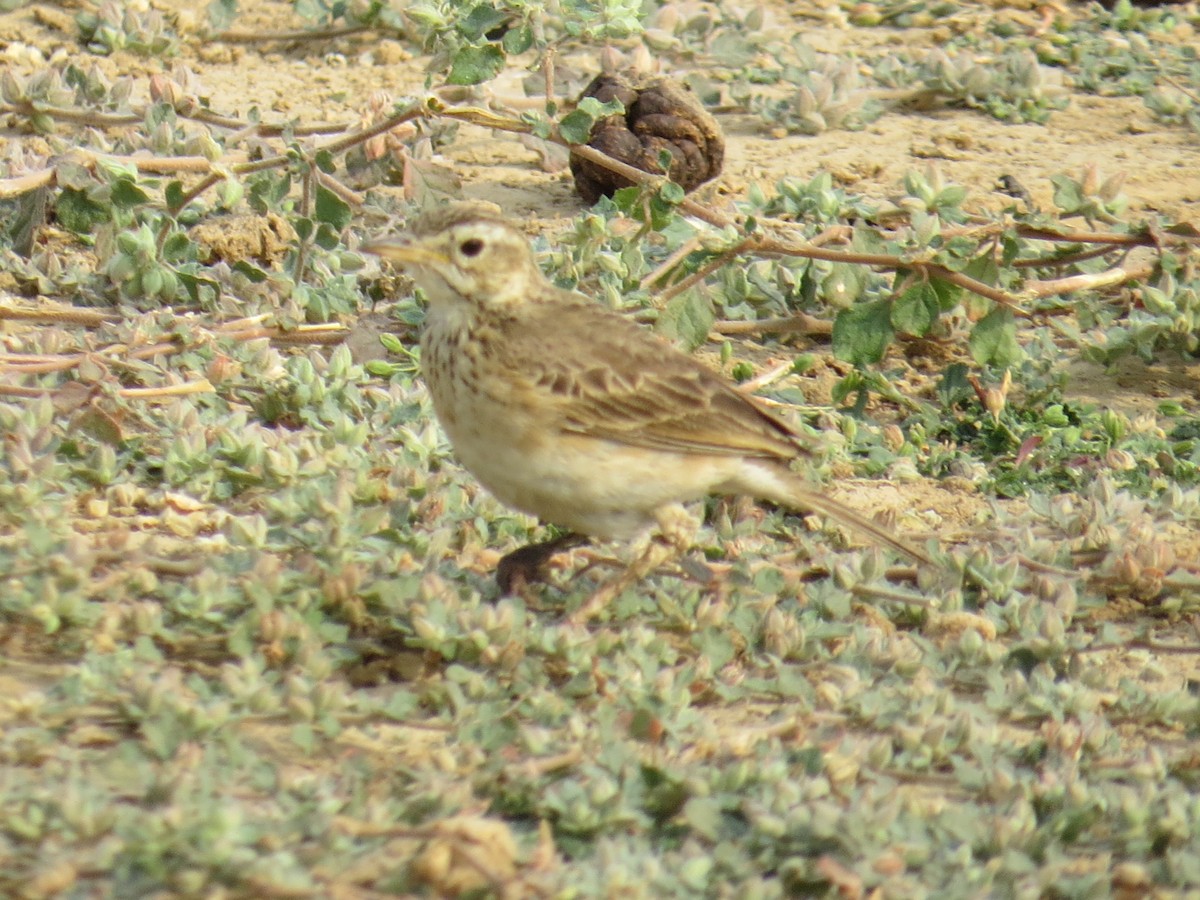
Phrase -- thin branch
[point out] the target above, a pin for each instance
(87, 117)
(1143, 644)
(53, 315)
(152, 165)
(1097, 237)
(975, 286)
(215, 172)
(1085, 282)
(1034, 565)
(352, 197)
(341, 144)
(700, 274)
(882, 260)
(877, 593)
(260, 129)
(199, 386)
(800, 323)
(203, 185)
(1068, 259)
(184, 109)
(1182, 88)
(25, 184)
(239, 330)
(665, 267)
(16, 390)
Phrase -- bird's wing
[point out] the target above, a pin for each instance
(609, 378)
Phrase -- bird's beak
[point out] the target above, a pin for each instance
(406, 251)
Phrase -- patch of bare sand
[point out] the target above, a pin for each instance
(1134, 387)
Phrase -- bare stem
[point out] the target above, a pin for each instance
(800, 323)
(1087, 282)
(701, 273)
(137, 115)
(346, 141)
(66, 316)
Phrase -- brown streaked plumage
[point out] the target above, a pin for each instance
(570, 412)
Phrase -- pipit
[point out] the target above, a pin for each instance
(572, 413)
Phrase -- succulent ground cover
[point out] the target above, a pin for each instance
(249, 641)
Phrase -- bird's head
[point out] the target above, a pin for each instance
(465, 253)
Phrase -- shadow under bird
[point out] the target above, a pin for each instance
(570, 412)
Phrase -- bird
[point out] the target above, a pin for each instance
(571, 412)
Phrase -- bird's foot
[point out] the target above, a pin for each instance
(527, 564)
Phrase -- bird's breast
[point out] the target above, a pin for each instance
(477, 397)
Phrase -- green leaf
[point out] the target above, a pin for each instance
(954, 388)
(29, 214)
(861, 334)
(482, 20)
(70, 174)
(960, 247)
(229, 193)
(672, 192)
(628, 200)
(598, 110)
(843, 285)
(325, 162)
(99, 424)
(177, 247)
(1068, 194)
(266, 193)
(174, 194)
(993, 340)
(517, 40)
(250, 271)
(950, 196)
(381, 369)
(332, 209)
(126, 193)
(947, 294)
(915, 311)
(78, 212)
(304, 738)
(662, 210)
(192, 285)
(703, 816)
(326, 237)
(866, 239)
(687, 318)
(221, 13)
(576, 126)
(539, 125)
(473, 65)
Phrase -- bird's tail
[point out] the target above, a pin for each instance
(785, 488)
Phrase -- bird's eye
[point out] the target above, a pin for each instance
(471, 247)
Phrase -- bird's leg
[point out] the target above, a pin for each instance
(526, 564)
(674, 535)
